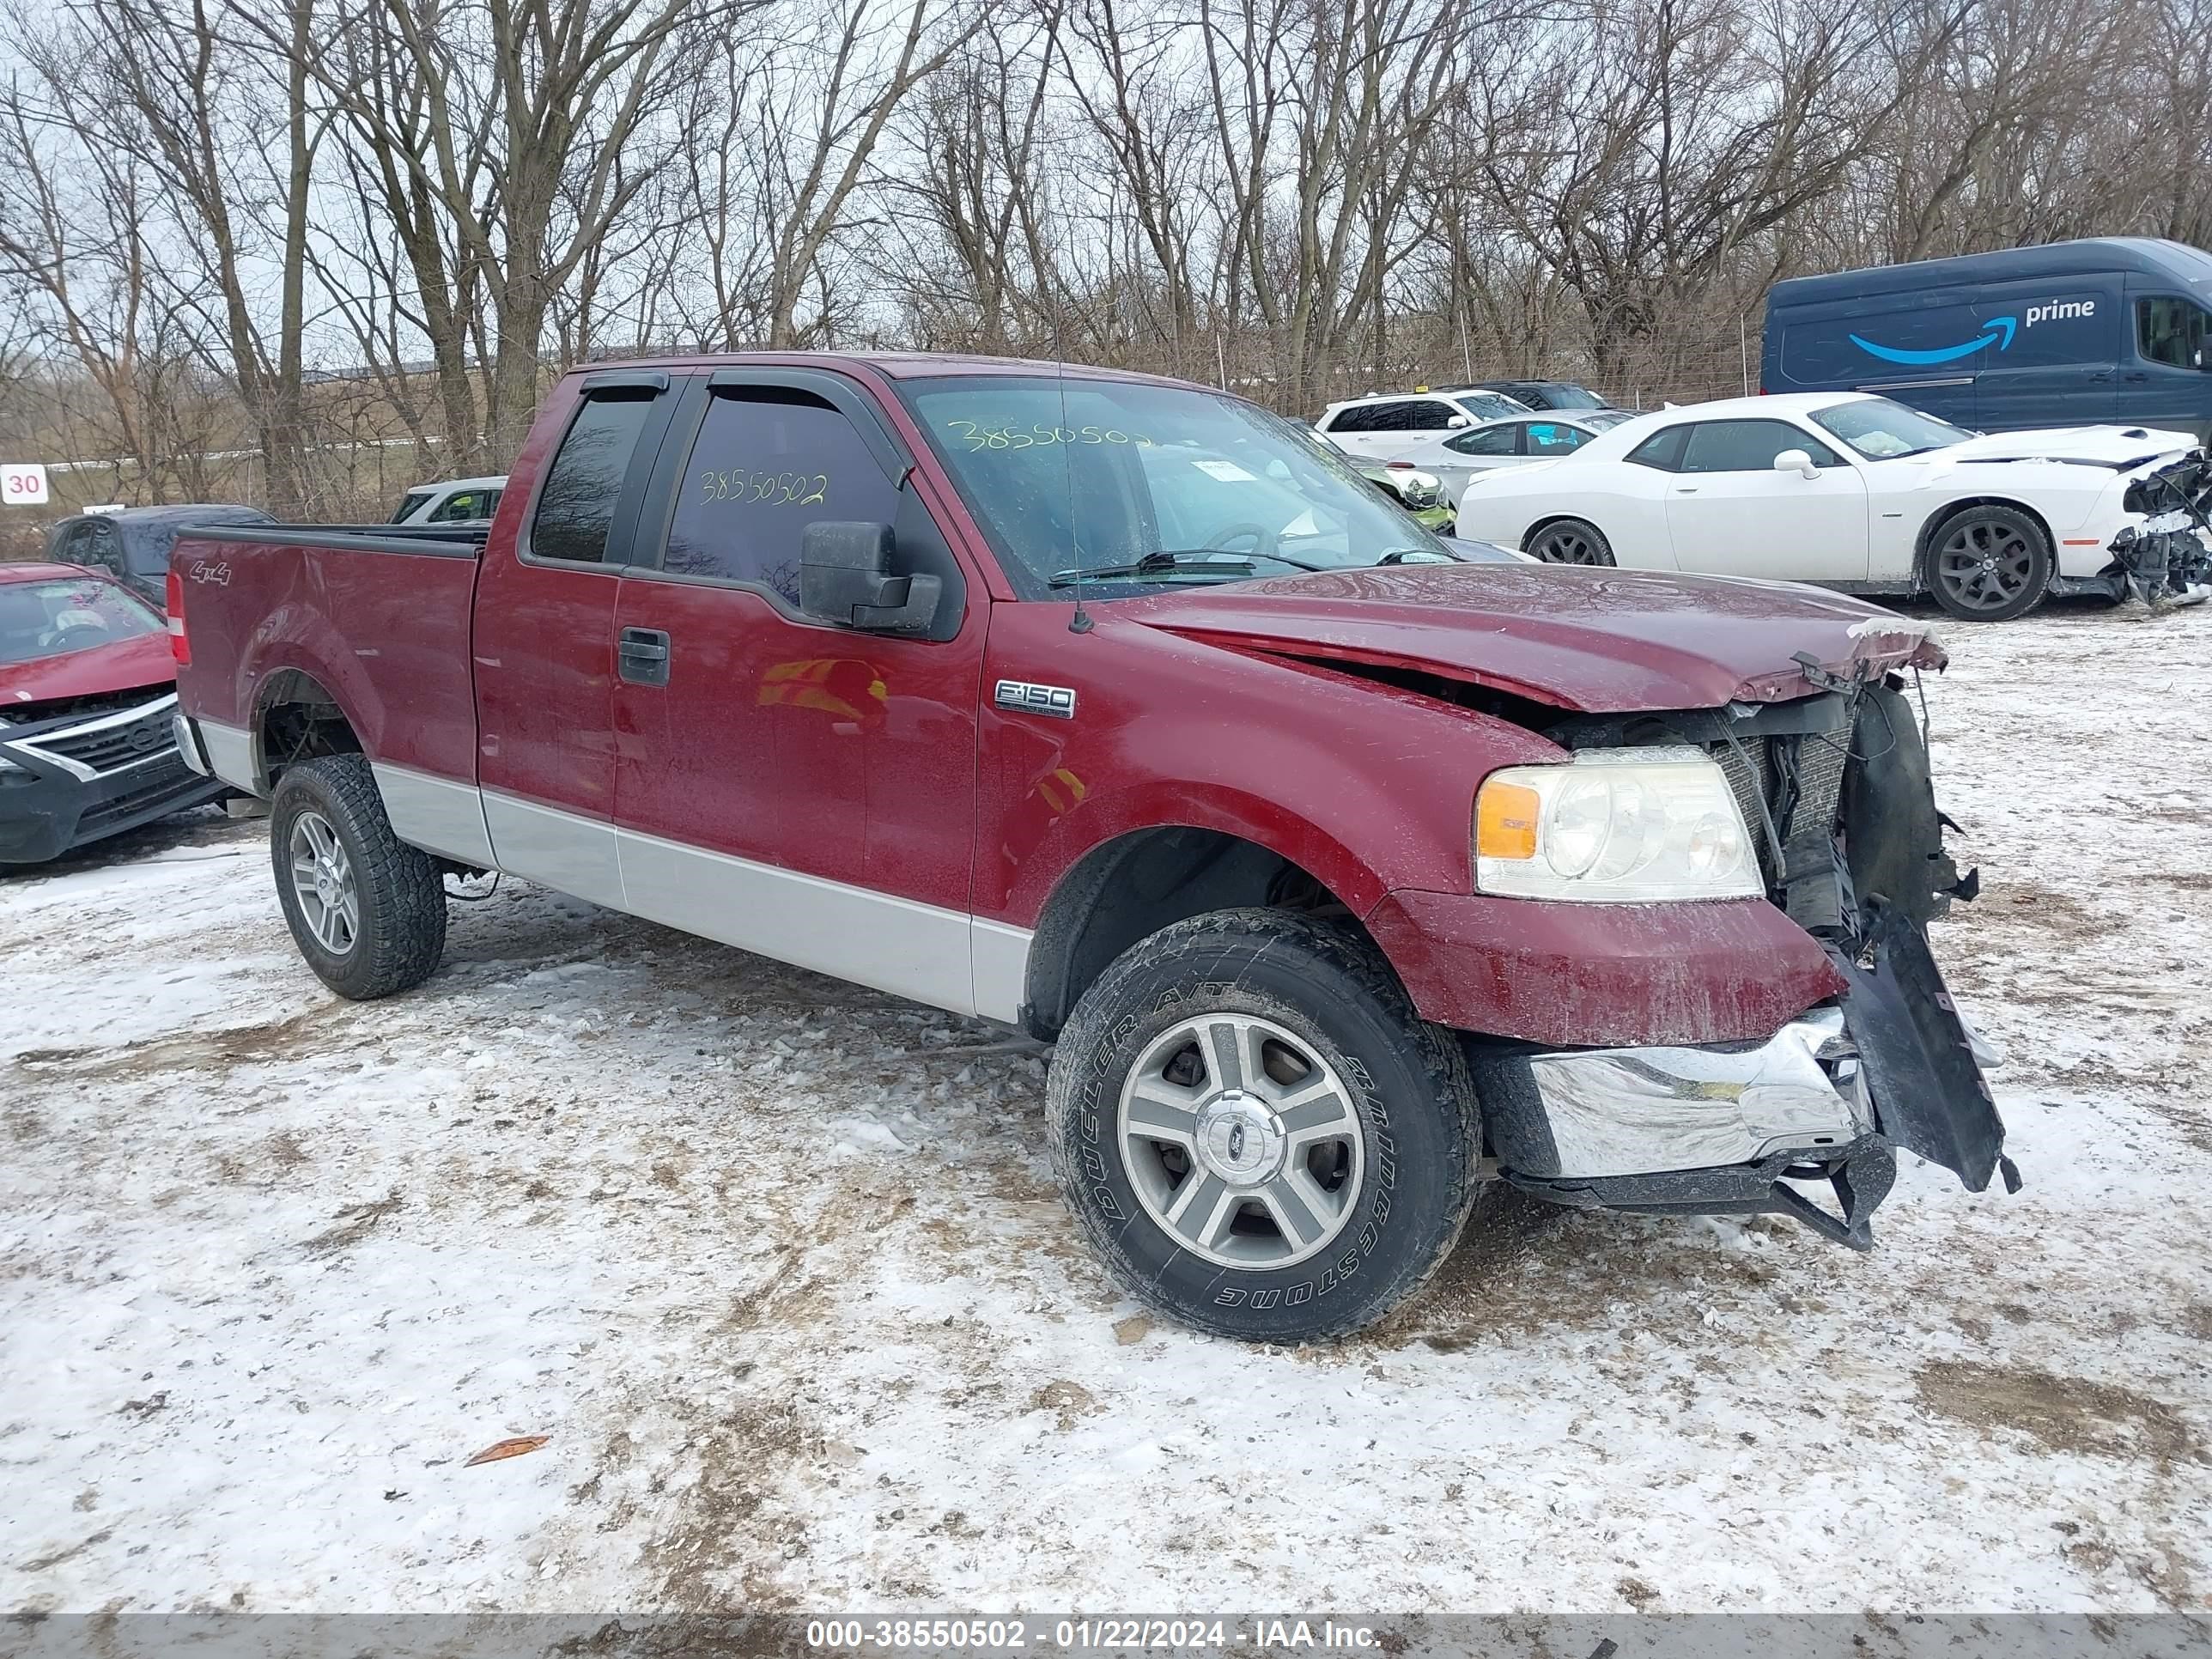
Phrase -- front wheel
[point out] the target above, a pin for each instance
(367, 910)
(1260, 1135)
(1989, 563)
(1569, 541)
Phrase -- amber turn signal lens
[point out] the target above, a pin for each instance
(1505, 821)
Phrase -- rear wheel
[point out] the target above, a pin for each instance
(1260, 1135)
(1569, 541)
(1989, 563)
(367, 910)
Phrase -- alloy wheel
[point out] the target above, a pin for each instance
(1242, 1142)
(1985, 564)
(323, 883)
(1570, 547)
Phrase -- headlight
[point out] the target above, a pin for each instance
(1619, 826)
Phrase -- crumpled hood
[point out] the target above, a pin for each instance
(122, 665)
(1599, 641)
(2099, 445)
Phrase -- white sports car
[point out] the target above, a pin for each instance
(1509, 440)
(1840, 488)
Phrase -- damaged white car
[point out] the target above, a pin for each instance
(1862, 494)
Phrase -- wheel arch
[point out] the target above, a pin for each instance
(1550, 519)
(296, 718)
(1131, 884)
(1582, 517)
(1924, 546)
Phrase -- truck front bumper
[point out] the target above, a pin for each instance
(1729, 1128)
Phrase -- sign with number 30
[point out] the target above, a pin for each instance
(22, 483)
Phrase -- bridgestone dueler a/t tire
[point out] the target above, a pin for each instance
(1409, 1084)
(402, 897)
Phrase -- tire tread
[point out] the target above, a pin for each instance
(403, 929)
(1439, 1056)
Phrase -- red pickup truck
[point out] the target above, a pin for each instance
(1345, 873)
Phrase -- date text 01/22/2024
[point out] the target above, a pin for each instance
(1015, 1634)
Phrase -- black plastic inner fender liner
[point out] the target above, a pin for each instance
(1892, 832)
(1860, 1173)
(1928, 1094)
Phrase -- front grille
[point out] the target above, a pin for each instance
(170, 783)
(115, 741)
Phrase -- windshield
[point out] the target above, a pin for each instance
(1881, 430)
(1097, 476)
(1489, 405)
(1562, 395)
(49, 619)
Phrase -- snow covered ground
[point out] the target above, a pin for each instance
(775, 1266)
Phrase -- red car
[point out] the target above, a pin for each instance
(88, 698)
(1112, 708)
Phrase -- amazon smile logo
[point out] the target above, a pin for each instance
(1997, 332)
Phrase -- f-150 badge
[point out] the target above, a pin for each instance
(1024, 697)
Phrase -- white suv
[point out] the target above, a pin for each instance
(1384, 424)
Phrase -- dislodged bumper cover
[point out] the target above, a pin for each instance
(1719, 970)
(1929, 1093)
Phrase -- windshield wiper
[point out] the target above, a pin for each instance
(1155, 565)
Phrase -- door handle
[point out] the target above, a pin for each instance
(641, 657)
(1685, 489)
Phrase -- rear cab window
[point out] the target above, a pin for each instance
(578, 504)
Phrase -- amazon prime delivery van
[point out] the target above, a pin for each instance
(2115, 329)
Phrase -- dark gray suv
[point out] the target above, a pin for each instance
(132, 545)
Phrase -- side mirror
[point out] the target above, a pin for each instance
(1797, 461)
(1457, 422)
(845, 577)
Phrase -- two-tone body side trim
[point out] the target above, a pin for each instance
(438, 815)
(945, 959)
(567, 851)
(890, 944)
(230, 754)
(1002, 967)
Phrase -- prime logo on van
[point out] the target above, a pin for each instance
(1997, 332)
(2060, 311)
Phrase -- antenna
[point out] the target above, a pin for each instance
(1080, 621)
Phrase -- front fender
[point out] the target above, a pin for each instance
(1365, 786)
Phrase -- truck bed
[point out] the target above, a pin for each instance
(287, 600)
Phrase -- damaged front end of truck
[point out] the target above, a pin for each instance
(1835, 789)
